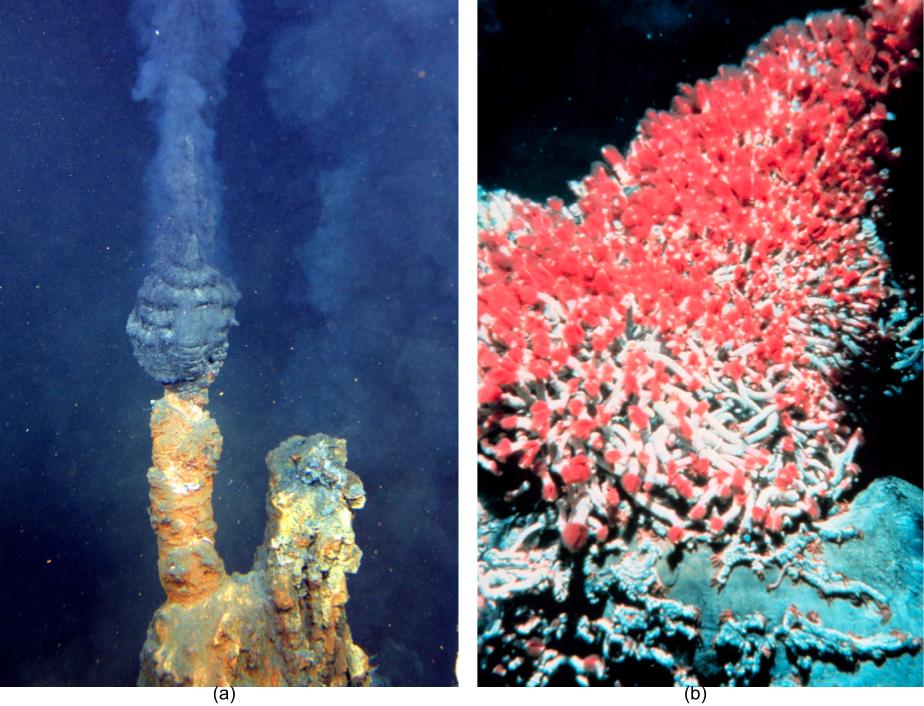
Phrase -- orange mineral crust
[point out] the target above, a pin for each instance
(186, 447)
(283, 623)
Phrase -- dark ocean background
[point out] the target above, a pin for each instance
(337, 144)
(557, 81)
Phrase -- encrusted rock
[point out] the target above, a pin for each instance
(283, 623)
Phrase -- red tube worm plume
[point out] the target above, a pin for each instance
(577, 470)
(593, 664)
(669, 343)
(534, 647)
(574, 536)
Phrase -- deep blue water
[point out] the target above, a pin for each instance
(337, 145)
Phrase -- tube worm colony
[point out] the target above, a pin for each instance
(658, 366)
(284, 622)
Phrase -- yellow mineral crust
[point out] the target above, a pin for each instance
(284, 622)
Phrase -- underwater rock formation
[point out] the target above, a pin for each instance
(283, 623)
(659, 367)
(184, 310)
(885, 557)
